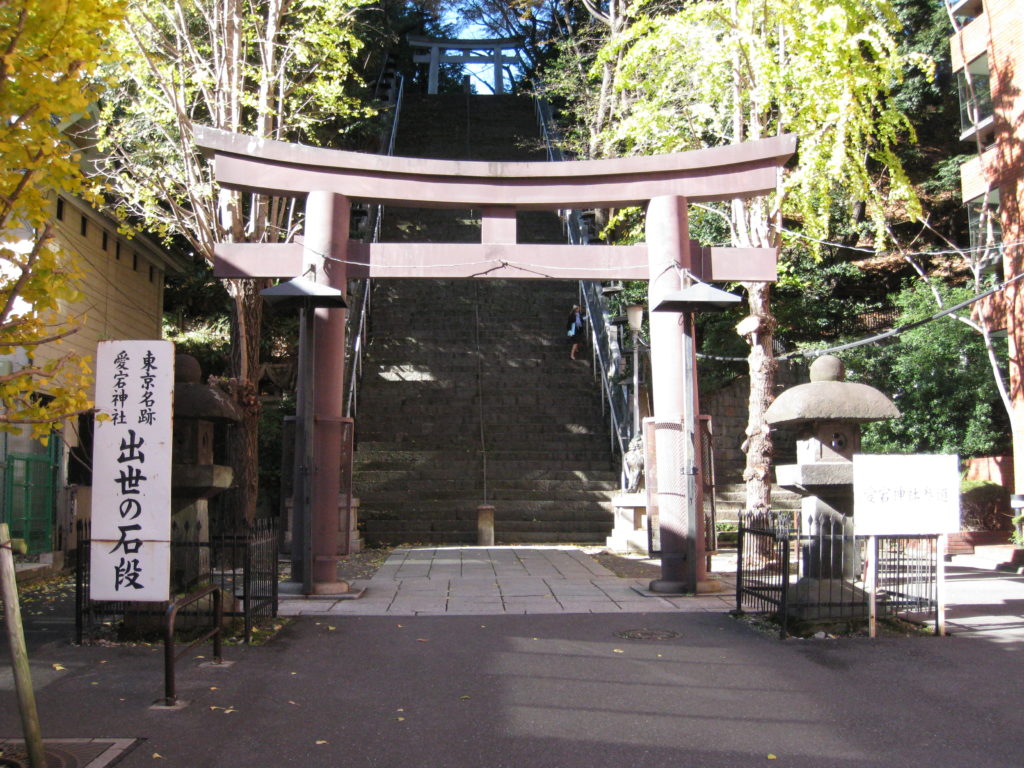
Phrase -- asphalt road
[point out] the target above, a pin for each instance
(534, 691)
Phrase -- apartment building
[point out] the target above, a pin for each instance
(988, 58)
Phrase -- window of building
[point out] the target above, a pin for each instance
(83, 226)
(986, 232)
(105, 238)
(975, 99)
(135, 262)
(117, 250)
(152, 273)
(60, 209)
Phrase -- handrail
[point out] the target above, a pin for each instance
(607, 353)
(170, 694)
(359, 340)
(618, 411)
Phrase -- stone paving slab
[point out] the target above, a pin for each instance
(497, 580)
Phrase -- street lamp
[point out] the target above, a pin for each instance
(307, 296)
(635, 316)
(696, 297)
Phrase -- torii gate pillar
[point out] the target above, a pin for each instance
(326, 235)
(675, 401)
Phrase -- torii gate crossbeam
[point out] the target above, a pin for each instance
(666, 184)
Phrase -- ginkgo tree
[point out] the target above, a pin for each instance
(720, 72)
(49, 52)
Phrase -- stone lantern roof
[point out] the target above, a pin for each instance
(194, 400)
(828, 397)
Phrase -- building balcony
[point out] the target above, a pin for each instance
(965, 10)
(981, 131)
(980, 174)
(970, 43)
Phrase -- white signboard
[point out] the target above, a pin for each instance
(131, 471)
(897, 495)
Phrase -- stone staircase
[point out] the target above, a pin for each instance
(730, 500)
(468, 396)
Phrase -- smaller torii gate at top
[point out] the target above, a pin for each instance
(665, 184)
(455, 51)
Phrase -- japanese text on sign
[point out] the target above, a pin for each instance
(905, 495)
(131, 523)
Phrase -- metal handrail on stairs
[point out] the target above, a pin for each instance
(607, 355)
(361, 337)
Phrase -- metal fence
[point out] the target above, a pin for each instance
(239, 559)
(818, 575)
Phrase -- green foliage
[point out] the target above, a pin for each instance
(823, 70)
(939, 377)
(276, 69)
(984, 506)
(49, 50)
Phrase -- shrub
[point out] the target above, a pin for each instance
(984, 506)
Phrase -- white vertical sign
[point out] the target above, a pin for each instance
(131, 471)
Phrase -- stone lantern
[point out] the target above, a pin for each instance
(827, 412)
(195, 477)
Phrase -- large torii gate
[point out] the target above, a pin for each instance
(329, 179)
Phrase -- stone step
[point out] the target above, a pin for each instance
(495, 469)
(370, 450)
(498, 473)
(512, 509)
(491, 384)
(383, 497)
(467, 535)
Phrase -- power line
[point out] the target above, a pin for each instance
(880, 336)
(874, 252)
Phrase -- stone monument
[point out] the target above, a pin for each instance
(827, 412)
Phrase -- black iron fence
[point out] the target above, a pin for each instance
(239, 559)
(819, 575)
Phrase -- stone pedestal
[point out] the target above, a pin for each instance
(629, 533)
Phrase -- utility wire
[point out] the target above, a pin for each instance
(874, 252)
(880, 336)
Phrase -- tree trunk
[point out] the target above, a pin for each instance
(758, 329)
(243, 444)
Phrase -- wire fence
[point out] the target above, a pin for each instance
(239, 559)
(819, 575)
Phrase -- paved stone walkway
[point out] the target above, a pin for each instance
(498, 580)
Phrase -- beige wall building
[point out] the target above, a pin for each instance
(122, 288)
